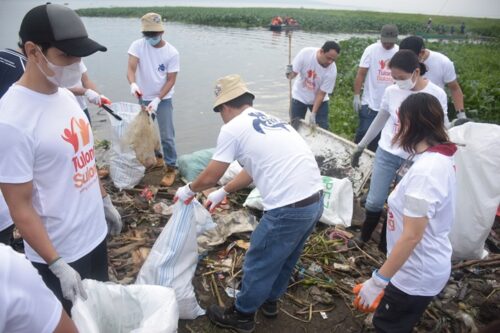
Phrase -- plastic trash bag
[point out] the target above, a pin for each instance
(337, 201)
(174, 256)
(191, 165)
(114, 308)
(125, 169)
(143, 136)
(478, 187)
(232, 171)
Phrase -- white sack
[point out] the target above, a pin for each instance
(337, 201)
(174, 256)
(478, 187)
(113, 308)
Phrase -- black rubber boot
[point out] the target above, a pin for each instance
(270, 309)
(371, 221)
(232, 318)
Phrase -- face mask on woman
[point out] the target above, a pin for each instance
(407, 84)
(64, 76)
(153, 41)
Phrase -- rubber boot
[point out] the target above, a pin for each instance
(371, 221)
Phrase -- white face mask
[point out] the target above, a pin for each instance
(64, 76)
(407, 84)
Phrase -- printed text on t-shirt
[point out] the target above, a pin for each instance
(83, 160)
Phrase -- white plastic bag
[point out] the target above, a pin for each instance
(232, 171)
(337, 201)
(113, 308)
(174, 256)
(125, 170)
(478, 187)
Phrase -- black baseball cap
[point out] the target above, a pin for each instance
(59, 26)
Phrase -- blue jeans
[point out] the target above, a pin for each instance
(275, 247)
(165, 118)
(384, 172)
(366, 116)
(299, 110)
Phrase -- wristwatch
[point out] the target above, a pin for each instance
(460, 110)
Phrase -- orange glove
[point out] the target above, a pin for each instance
(369, 293)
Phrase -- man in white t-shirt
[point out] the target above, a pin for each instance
(281, 165)
(47, 171)
(374, 75)
(440, 71)
(153, 65)
(317, 72)
(27, 305)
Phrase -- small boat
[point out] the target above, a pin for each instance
(279, 24)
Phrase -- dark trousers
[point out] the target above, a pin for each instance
(94, 266)
(399, 312)
(6, 235)
(299, 110)
(366, 116)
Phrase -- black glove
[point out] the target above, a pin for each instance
(355, 156)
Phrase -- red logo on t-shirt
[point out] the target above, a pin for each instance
(391, 226)
(83, 160)
(384, 72)
(309, 81)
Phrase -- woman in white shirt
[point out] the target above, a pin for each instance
(407, 73)
(420, 216)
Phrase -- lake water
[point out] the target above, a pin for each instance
(206, 53)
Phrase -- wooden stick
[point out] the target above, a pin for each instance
(367, 255)
(292, 316)
(216, 290)
(475, 262)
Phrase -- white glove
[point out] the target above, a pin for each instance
(215, 198)
(289, 71)
(93, 96)
(71, 282)
(461, 115)
(153, 105)
(370, 292)
(134, 90)
(356, 103)
(312, 119)
(113, 218)
(185, 194)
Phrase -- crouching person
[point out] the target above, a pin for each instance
(420, 216)
(281, 165)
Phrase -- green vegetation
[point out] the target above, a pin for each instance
(309, 19)
(477, 67)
